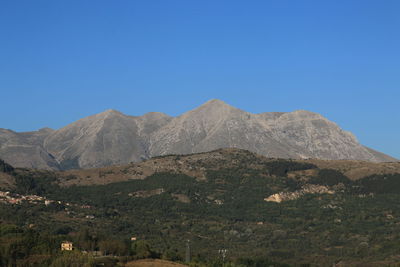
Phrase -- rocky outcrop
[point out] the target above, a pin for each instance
(306, 189)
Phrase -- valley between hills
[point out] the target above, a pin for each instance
(264, 211)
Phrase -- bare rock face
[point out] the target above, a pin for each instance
(104, 139)
(114, 138)
(298, 134)
(310, 135)
(216, 125)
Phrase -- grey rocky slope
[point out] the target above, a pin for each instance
(114, 138)
(26, 149)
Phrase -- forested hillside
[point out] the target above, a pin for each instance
(260, 210)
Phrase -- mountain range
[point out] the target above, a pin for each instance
(111, 137)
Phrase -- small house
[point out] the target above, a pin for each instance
(66, 245)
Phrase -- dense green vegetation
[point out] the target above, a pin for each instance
(360, 222)
(28, 247)
(4, 167)
(329, 177)
(281, 167)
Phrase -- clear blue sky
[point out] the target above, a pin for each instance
(64, 60)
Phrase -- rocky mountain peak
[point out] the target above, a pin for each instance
(214, 105)
(211, 112)
(109, 113)
(215, 102)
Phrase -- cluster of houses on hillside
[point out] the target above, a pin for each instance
(17, 199)
(10, 198)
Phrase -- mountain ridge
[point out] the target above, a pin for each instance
(111, 137)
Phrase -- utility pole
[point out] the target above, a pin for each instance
(188, 257)
(222, 252)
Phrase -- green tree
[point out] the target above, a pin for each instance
(72, 259)
(141, 249)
